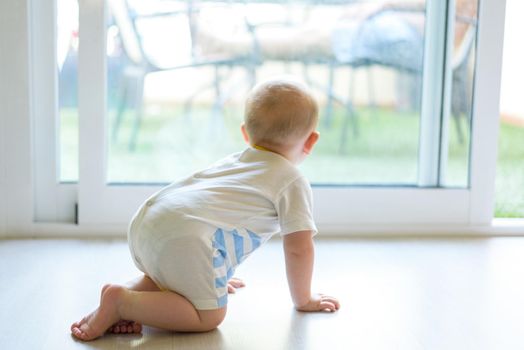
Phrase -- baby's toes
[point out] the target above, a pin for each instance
(113, 329)
(134, 327)
(78, 333)
(137, 328)
(121, 326)
(124, 327)
(79, 323)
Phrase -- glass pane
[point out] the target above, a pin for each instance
(178, 72)
(463, 67)
(509, 195)
(67, 64)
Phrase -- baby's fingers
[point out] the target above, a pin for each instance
(330, 303)
(334, 301)
(327, 306)
(236, 282)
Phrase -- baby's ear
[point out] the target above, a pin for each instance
(311, 141)
(244, 132)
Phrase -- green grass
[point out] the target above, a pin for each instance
(171, 145)
(384, 150)
(509, 185)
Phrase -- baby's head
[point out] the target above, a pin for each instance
(281, 115)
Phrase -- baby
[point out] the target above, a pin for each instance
(189, 237)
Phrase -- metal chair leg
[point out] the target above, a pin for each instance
(120, 110)
(328, 118)
(139, 95)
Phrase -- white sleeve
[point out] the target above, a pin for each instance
(295, 208)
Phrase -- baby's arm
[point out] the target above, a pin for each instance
(299, 251)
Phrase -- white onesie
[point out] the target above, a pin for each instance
(190, 236)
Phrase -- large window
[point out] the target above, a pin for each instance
(177, 73)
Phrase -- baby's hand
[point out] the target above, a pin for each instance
(233, 284)
(320, 302)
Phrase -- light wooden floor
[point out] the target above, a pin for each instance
(395, 294)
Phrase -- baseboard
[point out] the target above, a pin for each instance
(498, 228)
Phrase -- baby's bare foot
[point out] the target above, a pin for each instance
(96, 323)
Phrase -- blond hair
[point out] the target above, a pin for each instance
(279, 111)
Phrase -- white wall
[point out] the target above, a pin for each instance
(15, 141)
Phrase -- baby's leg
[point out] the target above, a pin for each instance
(166, 310)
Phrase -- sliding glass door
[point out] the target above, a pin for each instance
(177, 72)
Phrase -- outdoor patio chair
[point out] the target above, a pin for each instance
(385, 39)
(190, 39)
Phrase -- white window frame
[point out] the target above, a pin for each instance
(106, 209)
(433, 102)
(53, 201)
